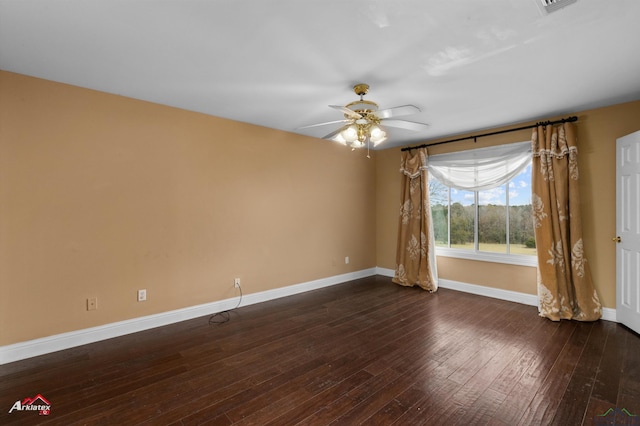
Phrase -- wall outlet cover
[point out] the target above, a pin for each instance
(92, 304)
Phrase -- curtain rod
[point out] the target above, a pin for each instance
(540, 123)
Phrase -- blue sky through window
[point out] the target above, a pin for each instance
(519, 192)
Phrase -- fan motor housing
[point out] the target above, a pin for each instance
(362, 106)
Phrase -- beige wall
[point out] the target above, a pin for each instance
(102, 195)
(598, 130)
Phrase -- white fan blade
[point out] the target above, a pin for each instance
(323, 124)
(408, 125)
(347, 111)
(398, 111)
(334, 133)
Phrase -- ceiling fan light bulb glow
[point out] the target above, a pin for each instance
(349, 134)
(377, 135)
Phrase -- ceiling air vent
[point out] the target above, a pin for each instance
(552, 5)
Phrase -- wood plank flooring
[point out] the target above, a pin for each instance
(364, 352)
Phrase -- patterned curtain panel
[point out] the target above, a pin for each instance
(415, 255)
(565, 289)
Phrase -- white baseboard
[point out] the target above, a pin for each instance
(31, 348)
(608, 314)
(277, 293)
(496, 293)
(385, 272)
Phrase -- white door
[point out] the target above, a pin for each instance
(628, 231)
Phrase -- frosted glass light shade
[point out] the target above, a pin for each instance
(349, 134)
(377, 135)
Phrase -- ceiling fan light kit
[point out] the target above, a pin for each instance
(363, 121)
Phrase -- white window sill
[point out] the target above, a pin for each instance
(483, 256)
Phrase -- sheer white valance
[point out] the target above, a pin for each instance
(482, 168)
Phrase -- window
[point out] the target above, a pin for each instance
(493, 223)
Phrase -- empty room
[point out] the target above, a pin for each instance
(313, 213)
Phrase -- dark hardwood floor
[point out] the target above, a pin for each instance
(363, 352)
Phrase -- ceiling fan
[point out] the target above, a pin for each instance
(363, 121)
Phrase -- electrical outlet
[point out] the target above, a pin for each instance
(142, 295)
(236, 283)
(92, 304)
(346, 260)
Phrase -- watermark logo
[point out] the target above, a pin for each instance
(38, 403)
(617, 416)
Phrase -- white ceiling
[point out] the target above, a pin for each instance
(467, 64)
